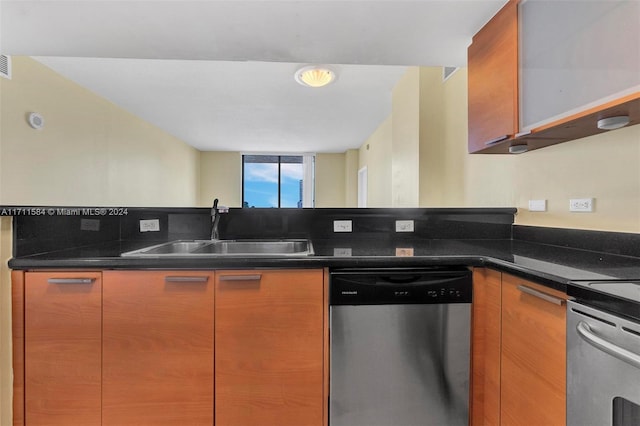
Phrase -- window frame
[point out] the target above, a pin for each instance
(308, 191)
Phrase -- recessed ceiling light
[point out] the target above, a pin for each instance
(315, 76)
(613, 123)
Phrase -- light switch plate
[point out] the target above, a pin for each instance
(404, 225)
(537, 205)
(342, 226)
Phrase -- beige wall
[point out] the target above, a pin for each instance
(405, 162)
(351, 178)
(221, 178)
(330, 180)
(376, 154)
(433, 169)
(90, 152)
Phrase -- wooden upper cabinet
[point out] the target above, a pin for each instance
(533, 362)
(158, 348)
(544, 72)
(493, 80)
(269, 330)
(485, 348)
(62, 348)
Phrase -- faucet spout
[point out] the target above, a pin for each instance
(215, 219)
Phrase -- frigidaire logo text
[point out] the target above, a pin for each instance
(350, 292)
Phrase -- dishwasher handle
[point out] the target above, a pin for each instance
(604, 345)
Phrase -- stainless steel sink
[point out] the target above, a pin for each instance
(226, 248)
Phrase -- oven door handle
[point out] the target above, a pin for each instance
(593, 339)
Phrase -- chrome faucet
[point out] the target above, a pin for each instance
(215, 219)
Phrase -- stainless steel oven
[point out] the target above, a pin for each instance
(603, 367)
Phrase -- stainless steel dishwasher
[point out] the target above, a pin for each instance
(400, 347)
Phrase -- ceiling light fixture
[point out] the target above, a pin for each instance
(315, 76)
(613, 123)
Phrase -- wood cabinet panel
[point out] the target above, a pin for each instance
(158, 348)
(63, 331)
(485, 347)
(269, 338)
(17, 329)
(493, 79)
(533, 371)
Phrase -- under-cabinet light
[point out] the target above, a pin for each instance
(612, 123)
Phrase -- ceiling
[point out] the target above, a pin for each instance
(219, 74)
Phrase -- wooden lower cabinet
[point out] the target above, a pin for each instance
(137, 348)
(157, 366)
(518, 352)
(62, 348)
(533, 362)
(485, 347)
(269, 348)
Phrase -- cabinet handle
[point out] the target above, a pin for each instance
(541, 295)
(186, 279)
(255, 277)
(71, 280)
(496, 140)
(596, 341)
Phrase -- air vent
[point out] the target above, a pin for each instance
(5, 66)
(448, 72)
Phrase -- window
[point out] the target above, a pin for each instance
(277, 181)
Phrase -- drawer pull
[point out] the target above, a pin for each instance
(256, 277)
(496, 140)
(70, 280)
(541, 295)
(201, 279)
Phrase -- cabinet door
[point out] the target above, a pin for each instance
(576, 56)
(485, 348)
(158, 348)
(533, 354)
(493, 80)
(63, 348)
(269, 348)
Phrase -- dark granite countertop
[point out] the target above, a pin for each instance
(553, 266)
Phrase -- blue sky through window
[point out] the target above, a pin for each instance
(260, 182)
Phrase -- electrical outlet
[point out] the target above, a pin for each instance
(149, 225)
(404, 226)
(581, 204)
(537, 205)
(342, 226)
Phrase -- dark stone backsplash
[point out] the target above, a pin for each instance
(41, 234)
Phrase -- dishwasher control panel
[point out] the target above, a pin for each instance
(381, 287)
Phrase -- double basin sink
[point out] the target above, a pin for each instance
(226, 248)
